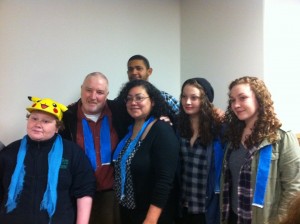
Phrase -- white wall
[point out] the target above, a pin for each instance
(220, 41)
(223, 40)
(282, 59)
(47, 48)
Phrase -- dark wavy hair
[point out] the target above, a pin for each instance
(266, 124)
(209, 120)
(160, 107)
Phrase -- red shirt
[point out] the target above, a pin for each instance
(104, 173)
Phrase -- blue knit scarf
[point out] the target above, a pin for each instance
(16, 185)
(128, 151)
(105, 145)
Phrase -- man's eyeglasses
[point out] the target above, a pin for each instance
(137, 99)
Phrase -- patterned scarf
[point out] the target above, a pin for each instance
(16, 185)
(105, 145)
(129, 150)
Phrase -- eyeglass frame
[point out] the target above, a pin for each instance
(137, 98)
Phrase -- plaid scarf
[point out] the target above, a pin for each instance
(245, 192)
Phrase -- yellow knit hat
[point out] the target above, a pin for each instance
(47, 105)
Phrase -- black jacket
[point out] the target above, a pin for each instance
(120, 118)
(76, 179)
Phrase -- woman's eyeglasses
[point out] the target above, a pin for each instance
(137, 99)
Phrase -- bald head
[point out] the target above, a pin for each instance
(96, 74)
(94, 91)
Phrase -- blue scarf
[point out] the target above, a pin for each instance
(105, 146)
(16, 185)
(128, 151)
(218, 154)
(262, 176)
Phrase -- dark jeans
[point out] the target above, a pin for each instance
(232, 218)
(188, 218)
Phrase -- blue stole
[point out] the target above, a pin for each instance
(105, 142)
(16, 185)
(262, 175)
(128, 151)
(218, 154)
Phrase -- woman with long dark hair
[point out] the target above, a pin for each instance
(201, 153)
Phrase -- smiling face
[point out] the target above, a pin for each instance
(190, 99)
(138, 103)
(136, 69)
(41, 126)
(243, 103)
(94, 91)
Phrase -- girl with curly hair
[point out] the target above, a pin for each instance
(199, 127)
(261, 162)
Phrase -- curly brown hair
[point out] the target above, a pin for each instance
(293, 212)
(266, 124)
(209, 123)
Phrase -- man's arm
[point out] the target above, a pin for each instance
(172, 103)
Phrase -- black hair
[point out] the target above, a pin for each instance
(140, 57)
(159, 108)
